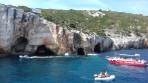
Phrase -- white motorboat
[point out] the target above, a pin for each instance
(126, 59)
(111, 77)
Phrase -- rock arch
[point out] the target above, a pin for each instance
(97, 48)
(42, 50)
(80, 51)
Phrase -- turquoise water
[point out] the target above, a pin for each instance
(70, 70)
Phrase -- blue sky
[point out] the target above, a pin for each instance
(129, 6)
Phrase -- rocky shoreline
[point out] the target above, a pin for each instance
(27, 33)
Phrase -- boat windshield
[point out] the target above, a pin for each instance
(128, 55)
(125, 56)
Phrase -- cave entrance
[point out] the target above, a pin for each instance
(42, 50)
(97, 48)
(80, 51)
(20, 44)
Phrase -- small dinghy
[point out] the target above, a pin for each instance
(111, 77)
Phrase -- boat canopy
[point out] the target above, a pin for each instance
(129, 55)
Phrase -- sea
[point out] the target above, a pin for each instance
(71, 69)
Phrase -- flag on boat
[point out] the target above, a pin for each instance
(137, 54)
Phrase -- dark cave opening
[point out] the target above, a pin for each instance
(20, 44)
(97, 48)
(42, 50)
(80, 51)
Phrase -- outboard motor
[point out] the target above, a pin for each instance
(95, 75)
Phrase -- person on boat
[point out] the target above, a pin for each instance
(101, 75)
(106, 74)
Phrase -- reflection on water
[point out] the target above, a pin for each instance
(126, 67)
(133, 68)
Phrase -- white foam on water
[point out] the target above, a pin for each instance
(93, 54)
(42, 57)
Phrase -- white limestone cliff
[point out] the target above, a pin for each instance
(22, 32)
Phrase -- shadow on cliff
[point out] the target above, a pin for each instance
(19, 45)
(77, 43)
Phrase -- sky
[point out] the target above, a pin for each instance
(129, 6)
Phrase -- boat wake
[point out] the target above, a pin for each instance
(43, 57)
(86, 78)
(93, 54)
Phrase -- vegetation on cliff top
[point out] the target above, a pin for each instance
(80, 20)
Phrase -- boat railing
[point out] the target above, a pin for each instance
(125, 58)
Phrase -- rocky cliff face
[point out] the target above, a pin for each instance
(123, 41)
(27, 33)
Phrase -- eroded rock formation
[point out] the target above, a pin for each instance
(22, 32)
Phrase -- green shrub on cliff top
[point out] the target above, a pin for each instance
(26, 9)
(77, 19)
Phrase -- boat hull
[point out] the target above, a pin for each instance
(106, 78)
(131, 63)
